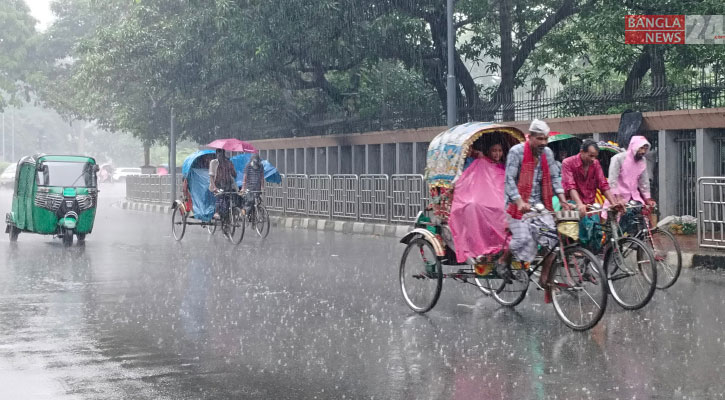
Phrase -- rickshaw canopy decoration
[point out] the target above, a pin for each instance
(448, 151)
(559, 136)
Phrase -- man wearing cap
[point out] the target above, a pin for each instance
(532, 177)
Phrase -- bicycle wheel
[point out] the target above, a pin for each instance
(421, 275)
(261, 223)
(484, 285)
(668, 257)
(514, 293)
(631, 273)
(178, 223)
(579, 292)
(489, 284)
(238, 226)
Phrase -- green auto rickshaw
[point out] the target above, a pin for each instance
(54, 195)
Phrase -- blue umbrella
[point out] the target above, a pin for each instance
(240, 161)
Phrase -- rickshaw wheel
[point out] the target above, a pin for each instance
(178, 223)
(513, 294)
(211, 228)
(421, 275)
(14, 233)
(237, 224)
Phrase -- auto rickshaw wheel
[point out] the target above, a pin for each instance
(67, 237)
(14, 233)
(81, 237)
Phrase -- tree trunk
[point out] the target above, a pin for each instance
(636, 73)
(146, 154)
(659, 78)
(506, 92)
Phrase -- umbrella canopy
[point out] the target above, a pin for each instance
(232, 145)
(270, 171)
(559, 136)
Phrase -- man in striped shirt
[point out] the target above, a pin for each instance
(253, 182)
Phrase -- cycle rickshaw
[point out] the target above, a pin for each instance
(199, 204)
(576, 274)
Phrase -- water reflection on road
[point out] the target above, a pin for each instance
(304, 314)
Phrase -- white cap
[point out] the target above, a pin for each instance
(539, 126)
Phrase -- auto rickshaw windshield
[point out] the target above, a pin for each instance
(66, 174)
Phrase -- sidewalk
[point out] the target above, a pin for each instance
(692, 255)
(299, 222)
(701, 257)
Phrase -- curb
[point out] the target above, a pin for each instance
(689, 260)
(314, 224)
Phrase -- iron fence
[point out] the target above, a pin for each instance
(408, 197)
(528, 102)
(720, 155)
(320, 195)
(296, 186)
(374, 197)
(379, 197)
(711, 212)
(345, 196)
(274, 196)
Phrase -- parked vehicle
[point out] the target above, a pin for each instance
(54, 195)
(121, 173)
(8, 176)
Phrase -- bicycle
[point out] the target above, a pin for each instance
(231, 219)
(258, 215)
(668, 255)
(629, 264)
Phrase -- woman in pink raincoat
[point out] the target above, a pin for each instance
(477, 219)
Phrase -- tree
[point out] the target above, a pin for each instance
(17, 29)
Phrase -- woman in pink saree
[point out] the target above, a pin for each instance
(478, 218)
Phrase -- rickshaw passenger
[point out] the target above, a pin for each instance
(222, 176)
(477, 214)
(531, 179)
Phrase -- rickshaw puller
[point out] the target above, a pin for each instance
(628, 175)
(582, 175)
(222, 175)
(532, 176)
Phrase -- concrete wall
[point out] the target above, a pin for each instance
(404, 151)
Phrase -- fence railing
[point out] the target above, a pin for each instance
(711, 212)
(374, 197)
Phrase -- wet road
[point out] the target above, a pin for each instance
(306, 314)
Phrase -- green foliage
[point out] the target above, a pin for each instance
(16, 34)
(255, 68)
